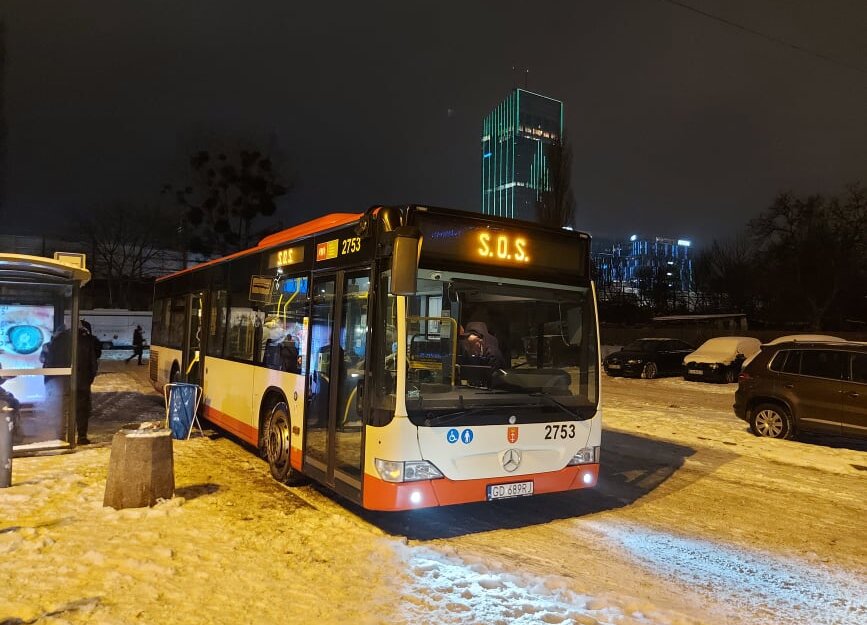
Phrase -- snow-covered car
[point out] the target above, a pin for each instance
(720, 359)
(648, 358)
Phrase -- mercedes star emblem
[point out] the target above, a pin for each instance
(511, 459)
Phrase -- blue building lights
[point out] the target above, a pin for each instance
(514, 160)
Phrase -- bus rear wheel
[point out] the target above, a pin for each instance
(278, 436)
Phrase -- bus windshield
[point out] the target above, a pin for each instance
(486, 352)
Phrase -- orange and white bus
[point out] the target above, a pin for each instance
(346, 350)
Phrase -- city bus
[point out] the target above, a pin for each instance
(339, 349)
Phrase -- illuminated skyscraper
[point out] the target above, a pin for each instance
(514, 159)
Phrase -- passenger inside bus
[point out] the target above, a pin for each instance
(281, 349)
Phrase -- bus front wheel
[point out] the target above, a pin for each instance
(278, 436)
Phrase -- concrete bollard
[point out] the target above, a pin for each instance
(7, 424)
(141, 468)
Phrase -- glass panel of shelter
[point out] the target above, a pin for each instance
(35, 352)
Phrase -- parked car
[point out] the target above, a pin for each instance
(720, 359)
(799, 386)
(648, 358)
(800, 338)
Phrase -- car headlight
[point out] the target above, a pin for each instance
(634, 361)
(715, 366)
(406, 471)
(587, 455)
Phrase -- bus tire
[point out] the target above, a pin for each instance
(278, 438)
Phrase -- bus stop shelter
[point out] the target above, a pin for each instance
(39, 303)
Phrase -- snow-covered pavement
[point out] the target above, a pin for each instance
(694, 521)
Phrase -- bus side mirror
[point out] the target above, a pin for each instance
(404, 260)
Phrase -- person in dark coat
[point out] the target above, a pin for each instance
(137, 344)
(86, 365)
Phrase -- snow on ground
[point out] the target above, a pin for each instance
(693, 522)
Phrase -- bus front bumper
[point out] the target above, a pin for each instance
(388, 496)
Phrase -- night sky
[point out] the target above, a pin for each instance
(680, 125)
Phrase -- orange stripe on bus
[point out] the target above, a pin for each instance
(295, 457)
(380, 495)
(240, 429)
(296, 232)
(246, 432)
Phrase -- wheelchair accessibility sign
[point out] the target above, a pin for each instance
(453, 436)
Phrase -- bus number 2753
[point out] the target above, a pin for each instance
(351, 245)
(559, 431)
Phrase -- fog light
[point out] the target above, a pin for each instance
(587, 478)
(415, 498)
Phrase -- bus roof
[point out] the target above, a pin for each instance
(314, 226)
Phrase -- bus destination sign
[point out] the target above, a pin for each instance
(523, 250)
(286, 256)
(506, 247)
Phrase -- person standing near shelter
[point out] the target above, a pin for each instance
(137, 344)
(86, 364)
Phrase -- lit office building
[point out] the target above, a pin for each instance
(514, 159)
(643, 264)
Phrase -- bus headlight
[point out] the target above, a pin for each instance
(409, 471)
(588, 455)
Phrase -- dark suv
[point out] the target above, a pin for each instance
(805, 387)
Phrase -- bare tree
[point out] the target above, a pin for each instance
(556, 203)
(728, 268)
(228, 191)
(812, 251)
(124, 240)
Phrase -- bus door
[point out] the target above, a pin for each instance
(338, 349)
(192, 345)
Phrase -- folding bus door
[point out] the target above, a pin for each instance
(338, 350)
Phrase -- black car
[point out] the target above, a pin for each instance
(648, 358)
(795, 387)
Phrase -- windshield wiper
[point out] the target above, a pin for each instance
(454, 416)
(560, 405)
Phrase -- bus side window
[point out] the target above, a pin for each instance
(284, 336)
(176, 322)
(217, 329)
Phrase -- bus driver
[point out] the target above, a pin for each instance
(479, 346)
